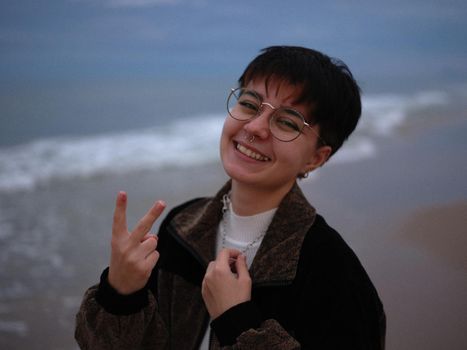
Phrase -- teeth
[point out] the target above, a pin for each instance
(251, 154)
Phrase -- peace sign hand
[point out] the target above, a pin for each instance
(133, 253)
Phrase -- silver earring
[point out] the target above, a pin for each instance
(305, 175)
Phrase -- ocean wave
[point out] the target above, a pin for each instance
(383, 114)
(182, 143)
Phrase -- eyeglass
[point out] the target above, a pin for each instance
(285, 124)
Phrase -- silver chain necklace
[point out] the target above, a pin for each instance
(225, 209)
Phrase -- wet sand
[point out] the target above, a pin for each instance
(405, 215)
(404, 212)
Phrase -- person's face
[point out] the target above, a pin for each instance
(266, 161)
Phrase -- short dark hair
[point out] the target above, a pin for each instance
(326, 83)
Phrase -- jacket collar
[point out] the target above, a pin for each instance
(277, 257)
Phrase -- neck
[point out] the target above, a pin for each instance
(250, 200)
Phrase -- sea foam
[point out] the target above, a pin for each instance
(182, 143)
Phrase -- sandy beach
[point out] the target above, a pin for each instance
(102, 96)
(404, 212)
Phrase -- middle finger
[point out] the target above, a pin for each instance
(144, 225)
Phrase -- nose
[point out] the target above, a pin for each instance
(259, 126)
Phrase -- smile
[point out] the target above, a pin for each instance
(251, 154)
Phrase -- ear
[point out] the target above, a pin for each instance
(318, 158)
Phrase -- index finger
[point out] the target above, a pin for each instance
(146, 222)
(119, 219)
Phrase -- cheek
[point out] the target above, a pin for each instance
(228, 131)
(229, 128)
(295, 156)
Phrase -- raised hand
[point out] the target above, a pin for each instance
(226, 283)
(133, 253)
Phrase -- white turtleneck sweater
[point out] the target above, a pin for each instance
(240, 232)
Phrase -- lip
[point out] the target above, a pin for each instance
(253, 149)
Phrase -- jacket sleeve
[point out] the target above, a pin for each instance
(337, 320)
(108, 320)
(242, 327)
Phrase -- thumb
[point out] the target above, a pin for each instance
(242, 267)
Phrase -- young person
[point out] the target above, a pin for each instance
(254, 267)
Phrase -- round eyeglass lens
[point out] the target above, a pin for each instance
(286, 124)
(243, 104)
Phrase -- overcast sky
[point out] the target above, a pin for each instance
(105, 39)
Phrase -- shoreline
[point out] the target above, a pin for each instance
(390, 208)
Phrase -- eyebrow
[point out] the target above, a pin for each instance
(293, 111)
(288, 108)
(252, 93)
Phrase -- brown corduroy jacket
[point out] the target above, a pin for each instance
(309, 290)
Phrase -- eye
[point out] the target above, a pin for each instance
(287, 123)
(248, 105)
